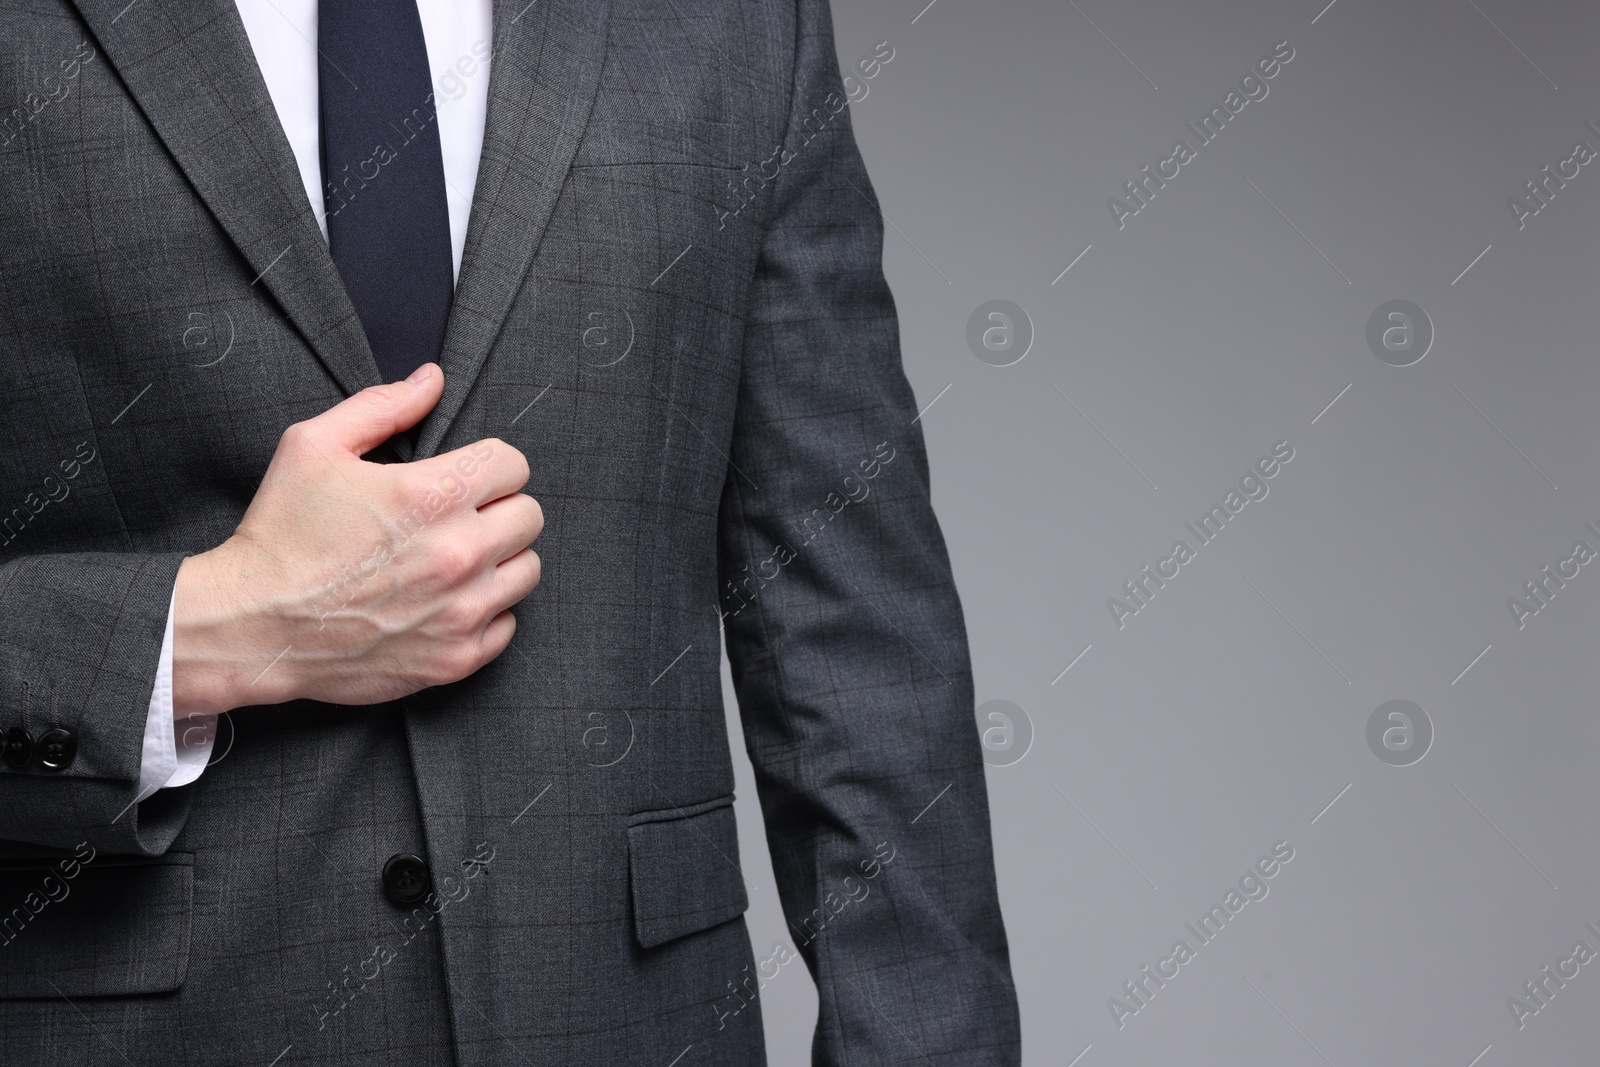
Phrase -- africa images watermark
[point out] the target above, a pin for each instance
(749, 185)
(339, 593)
(343, 187)
(1252, 87)
(1541, 590)
(341, 994)
(1252, 487)
(738, 588)
(54, 491)
(810, 927)
(57, 88)
(53, 889)
(1539, 991)
(1539, 192)
(1252, 887)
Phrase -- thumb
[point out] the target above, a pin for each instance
(364, 421)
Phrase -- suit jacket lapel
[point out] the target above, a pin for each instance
(543, 74)
(189, 66)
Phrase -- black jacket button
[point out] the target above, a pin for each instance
(405, 878)
(56, 749)
(18, 748)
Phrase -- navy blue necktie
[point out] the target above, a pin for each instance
(383, 177)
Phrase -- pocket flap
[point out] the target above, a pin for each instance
(683, 869)
(114, 927)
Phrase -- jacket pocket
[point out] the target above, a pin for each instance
(683, 870)
(108, 926)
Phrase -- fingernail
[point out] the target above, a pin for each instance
(421, 374)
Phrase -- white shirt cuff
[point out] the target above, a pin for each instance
(174, 754)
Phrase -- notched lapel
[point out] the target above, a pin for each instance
(192, 71)
(543, 75)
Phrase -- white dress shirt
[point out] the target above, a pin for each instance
(283, 35)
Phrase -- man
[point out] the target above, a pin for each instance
(293, 335)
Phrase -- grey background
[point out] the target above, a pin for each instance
(1223, 319)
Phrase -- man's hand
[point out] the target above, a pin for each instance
(356, 582)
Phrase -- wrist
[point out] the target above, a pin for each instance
(221, 639)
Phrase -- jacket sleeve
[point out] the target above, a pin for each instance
(844, 631)
(80, 644)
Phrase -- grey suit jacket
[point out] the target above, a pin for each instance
(672, 301)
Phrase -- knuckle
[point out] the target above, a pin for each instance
(511, 456)
(495, 640)
(419, 496)
(493, 451)
(417, 481)
(297, 438)
(453, 561)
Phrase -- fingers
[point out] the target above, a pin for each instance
(513, 580)
(510, 524)
(497, 635)
(486, 470)
(360, 423)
